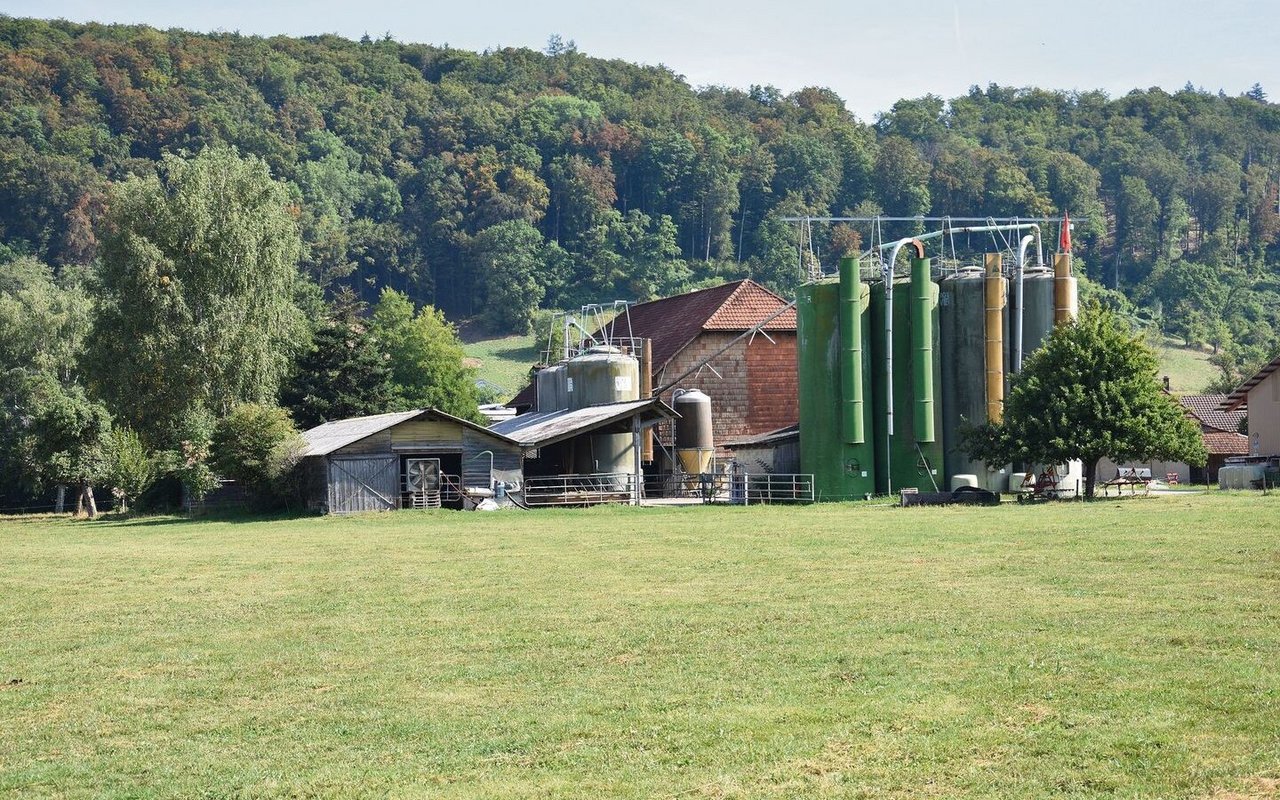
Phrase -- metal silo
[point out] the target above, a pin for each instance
(974, 322)
(695, 446)
(908, 451)
(834, 369)
(1037, 309)
(552, 388)
(603, 374)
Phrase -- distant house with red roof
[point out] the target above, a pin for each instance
(1220, 431)
(752, 383)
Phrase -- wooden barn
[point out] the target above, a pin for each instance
(409, 459)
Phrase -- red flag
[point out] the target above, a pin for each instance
(1064, 237)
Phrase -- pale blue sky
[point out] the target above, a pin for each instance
(869, 53)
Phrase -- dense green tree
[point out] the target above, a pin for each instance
(426, 357)
(345, 373)
(130, 469)
(199, 266)
(901, 178)
(1089, 393)
(509, 259)
(43, 320)
(57, 435)
(258, 447)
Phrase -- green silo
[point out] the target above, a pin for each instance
(833, 327)
(908, 441)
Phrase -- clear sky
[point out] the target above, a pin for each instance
(869, 53)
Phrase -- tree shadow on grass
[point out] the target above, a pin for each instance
(227, 515)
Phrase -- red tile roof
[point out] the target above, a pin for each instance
(1207, 409)
(673, 322)
(1221, 443)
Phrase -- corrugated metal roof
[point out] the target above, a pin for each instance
(324, 439)
(772, 437)
(1239, 397)
(543, 428)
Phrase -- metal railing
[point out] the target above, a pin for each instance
(708, 487)
(579, 490)
(747, 489)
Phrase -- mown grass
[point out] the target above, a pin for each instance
(1127, 648)
(505, 361)
(1188, 368)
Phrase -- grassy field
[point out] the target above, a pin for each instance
(1127, 648)
(1188, 368)
(504, 361)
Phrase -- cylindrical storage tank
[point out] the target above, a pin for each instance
(551, 389)
(924, 314)
(603, 374)
(841, 470)
(1065, 300)
(964, 351)
(1037, 309)
(851, 399)
(902, 459)
(695, 446)
(963, 481)
(1240, 476)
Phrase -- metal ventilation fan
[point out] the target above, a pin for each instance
(422, 475)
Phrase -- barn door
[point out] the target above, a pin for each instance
(364, 484)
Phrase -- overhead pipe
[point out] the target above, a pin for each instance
(994, 296)
(851, 400)
(917, 244)
(1017, 320)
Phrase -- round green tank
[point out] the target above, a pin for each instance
(906, 458)
(962, 319)
(834, 371)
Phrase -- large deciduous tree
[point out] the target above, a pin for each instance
(426, 357)
(55, 434)
(510, 260)
(198, 271)
(1089, 393)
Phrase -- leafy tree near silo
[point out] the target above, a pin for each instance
(510, 259)
(1089, 393)
(199, 266)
